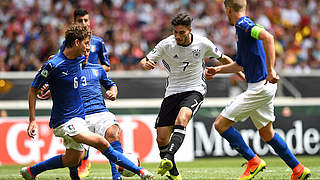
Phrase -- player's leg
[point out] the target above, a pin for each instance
(176, 140)
(83, 168)
(237, 110)
(73, 153)
(164, 124)
(225, 128)
(70, 158)
(280, 147)
(116, 157)
(113, 136)
(163, 138)
(105, 124)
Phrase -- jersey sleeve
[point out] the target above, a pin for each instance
(249, 27)
(212, 50)
(156, 53)
(103, 54)
(43, 75)
(105, 81)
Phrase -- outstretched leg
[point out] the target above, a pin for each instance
(255, 164)
(281, 148)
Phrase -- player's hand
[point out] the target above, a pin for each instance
(210, 72)
(32, 129)
(272, 77)
(111, 95)
(44, 92)
(149, 65)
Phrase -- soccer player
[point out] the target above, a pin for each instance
(256, 57)
(98, 49)
(63, 73)
(182, 56)
(98, 118)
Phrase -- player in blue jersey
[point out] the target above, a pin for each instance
(256, 57)
(98, 50)
(98, 118)
(63, 73)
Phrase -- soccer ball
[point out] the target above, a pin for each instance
(133, 158)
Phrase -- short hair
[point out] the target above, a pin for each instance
(182, 18)
(76, 31)
(236, 5)
(79, 12)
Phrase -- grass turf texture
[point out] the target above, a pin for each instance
(204, 169)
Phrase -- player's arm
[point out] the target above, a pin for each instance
(32, 111)
(103, 57)
(40, 79)
(260, 33)
(227, 60)
(109, 85)
(227, 68)
(147, 64)
(112, 93)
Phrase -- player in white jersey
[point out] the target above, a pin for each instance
(182, 54)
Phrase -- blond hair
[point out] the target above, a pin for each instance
(236, 5)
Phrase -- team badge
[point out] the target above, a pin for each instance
(95, 72)
(196, 53)
(44, 73)
(93, 48)
(153, 51)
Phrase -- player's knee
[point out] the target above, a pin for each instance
(183, 119)
(162, 141)
(113, 134)
(112, 137)
(266, 135)
(218, 126)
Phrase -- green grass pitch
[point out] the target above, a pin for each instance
(204, 169)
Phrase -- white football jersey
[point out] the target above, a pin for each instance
(185, 64)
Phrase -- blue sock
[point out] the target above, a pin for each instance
(281, 148)
(236, 142)
(86, 155)
(119, 159)
(52, 163)
(73, 171)
(117, 146)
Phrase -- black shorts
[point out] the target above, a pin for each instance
(171, 106)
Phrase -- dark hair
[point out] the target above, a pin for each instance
(79, 12)
(76, 31)
(182, 18)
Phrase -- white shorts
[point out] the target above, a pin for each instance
(257, 102)
(99, 122)
(71, 128)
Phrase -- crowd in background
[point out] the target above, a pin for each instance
(32, 30)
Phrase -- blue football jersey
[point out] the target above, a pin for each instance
(98, 50)
(63, 76)
(250, 53)
(92, 76)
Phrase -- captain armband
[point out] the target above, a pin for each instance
(255, 31)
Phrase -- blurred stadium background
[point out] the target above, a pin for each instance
(32, 30)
